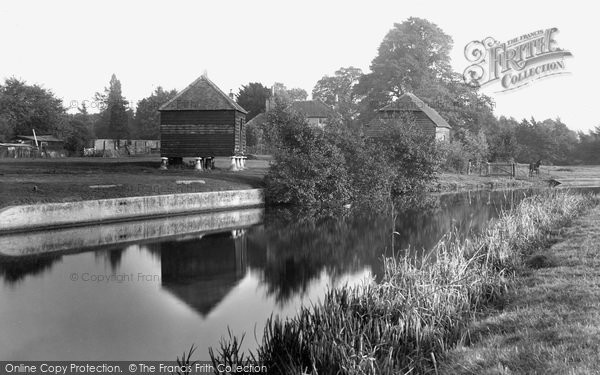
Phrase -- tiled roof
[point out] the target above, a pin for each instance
(259, 119)
(312, 108)
(409, 102)
(201, 95)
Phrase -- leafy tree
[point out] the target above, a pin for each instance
(297, 94)
(413, 53)
(412, 157)
(7, 127)
(114, 119)
(563, 140)
(548, 140)
(460, 104)
(85, 117)
(24, 108)
(338, 92)
(414, 57)
(147, 118)
(252, 97)
(290, 95)
(588, 149)
(307, 170)
(503, 140)
(78, 136)
(465, 147)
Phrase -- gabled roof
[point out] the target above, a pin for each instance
(40, 138)
(409, 102)
(201, 95)
(259, 119)
(203, 295)
(312, 108)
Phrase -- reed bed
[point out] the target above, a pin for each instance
(421, 308)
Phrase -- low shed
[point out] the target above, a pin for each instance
(202, 121)
(48, 145)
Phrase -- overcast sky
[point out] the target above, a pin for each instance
(73, 47)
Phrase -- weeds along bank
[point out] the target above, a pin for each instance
(406, 321)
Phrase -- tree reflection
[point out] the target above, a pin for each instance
(15, 270)
(294, 248)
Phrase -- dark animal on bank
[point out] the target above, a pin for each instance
(535, 168)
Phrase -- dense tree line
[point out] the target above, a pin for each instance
(25, 108)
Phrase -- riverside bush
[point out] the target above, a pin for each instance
(334, 165)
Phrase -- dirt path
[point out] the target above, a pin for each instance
(551, 322)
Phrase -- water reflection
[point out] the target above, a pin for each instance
(215, 270)
(201, 272)
(13, 271)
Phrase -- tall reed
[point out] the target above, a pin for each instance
(418, 310)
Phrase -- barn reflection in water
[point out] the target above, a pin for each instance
(201, 272)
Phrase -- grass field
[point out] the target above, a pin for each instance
(54, 180)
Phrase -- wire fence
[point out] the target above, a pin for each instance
(511, 170)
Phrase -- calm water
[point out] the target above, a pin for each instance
(149, 290)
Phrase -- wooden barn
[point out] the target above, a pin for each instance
(202, 122)
(425, 117)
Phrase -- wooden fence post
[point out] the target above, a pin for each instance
(514, 170)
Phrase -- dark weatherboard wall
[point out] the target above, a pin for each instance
(202, 133)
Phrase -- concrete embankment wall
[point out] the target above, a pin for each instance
(70, 213)
(118, 234)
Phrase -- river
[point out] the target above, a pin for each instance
(148, 290)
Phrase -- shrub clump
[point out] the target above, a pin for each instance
(336, 165)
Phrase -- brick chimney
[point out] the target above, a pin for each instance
(270, 102)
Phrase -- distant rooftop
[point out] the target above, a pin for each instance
(410, 102)
(261, 118)
(312, 108)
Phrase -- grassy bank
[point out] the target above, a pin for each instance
(25, 181)
(551, 323)
(418, 311)
(448, 182)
